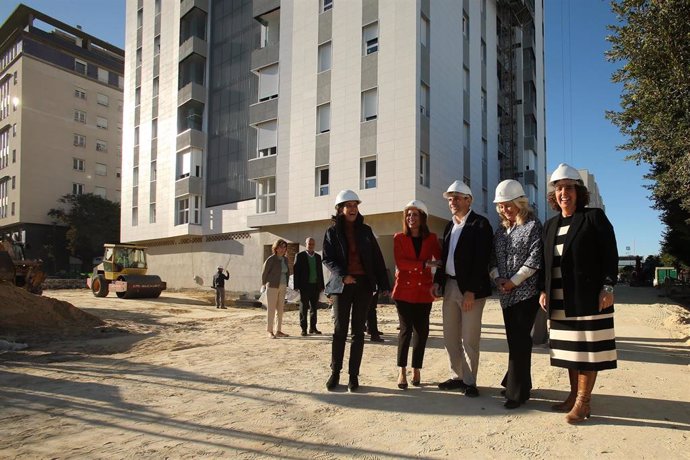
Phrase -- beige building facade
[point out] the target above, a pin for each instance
(60, 126)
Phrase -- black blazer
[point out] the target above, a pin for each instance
(472, 256)
(335, 252)
(589, 260)
(301, 271)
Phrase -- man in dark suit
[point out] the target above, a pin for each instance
(308, 280)
(463, 280)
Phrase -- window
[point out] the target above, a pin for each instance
(368, 172)
(77, 189)
(266, 195)
(80, 66)
(14, 180)
(267, 138)
(101, 123)
(323, 118)
(157, 45)
(189, 163)
(78, 164)
(370, 38)
(80, 116)
(154, 128)
(140, 18)
(101, 146)
(79, 140)
(322, 181)
(484, 107)
(101, 169)
(424, 102)
(103, 100)
(137, 96)
(483, 52)
(152, 213)
(154, 90)
(118, 172)
(102, 75)
(13, 203)
(424, 169)
(139, 58)
(135, 176)
(14, 155)
(136, 135)
(183, 210)
(14, 129)
(424, 32)
(325, 53)
(369, 104)
(135, 216)
(326, 5)
(99, 191)
(80, 93)
(268, 83)
(157, 7)
(154, 171)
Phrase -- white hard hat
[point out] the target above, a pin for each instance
(220, 267)
(417, 204)
(508, 190)
(346, 195)
(564, 171)
(458, 187)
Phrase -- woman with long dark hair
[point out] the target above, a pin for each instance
(353, 256)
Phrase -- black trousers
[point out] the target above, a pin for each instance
(372, 319)
(519, 319)
(414, 327)
(355, 300)
(309, 299)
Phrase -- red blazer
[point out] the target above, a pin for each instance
(412, 281)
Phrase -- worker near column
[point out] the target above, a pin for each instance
(219, 285)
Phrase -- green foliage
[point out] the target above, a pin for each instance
(92, 221)
(652, 44)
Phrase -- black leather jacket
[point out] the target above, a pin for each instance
(335, 252)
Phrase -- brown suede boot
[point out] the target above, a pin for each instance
(581, 410)
(569, 402)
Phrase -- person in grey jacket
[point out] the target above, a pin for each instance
(274, 278)
(353, 256)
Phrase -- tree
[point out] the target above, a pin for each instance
(652, 43)
(92, 221)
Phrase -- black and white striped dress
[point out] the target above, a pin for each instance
(585, 343)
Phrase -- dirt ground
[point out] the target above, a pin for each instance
(177, 378)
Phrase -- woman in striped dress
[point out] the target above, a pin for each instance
(580, 269)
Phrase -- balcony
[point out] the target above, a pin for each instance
(193, 45)
(191, 138)
(187, 5)
(263, 111)
(190, 185)
(191, 92)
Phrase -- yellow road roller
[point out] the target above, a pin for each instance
(123, 271)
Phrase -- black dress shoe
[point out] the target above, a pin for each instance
(333, 381)
(353, 384)
(402, 386)
(315, 331)
(510, 404)
(452, 384)
(304, 333)
(376, 338)
(503, 392)
(471, 391)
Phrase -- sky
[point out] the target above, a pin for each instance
(579, 91)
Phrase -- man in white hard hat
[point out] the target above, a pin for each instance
(219, 285)
(463, 280)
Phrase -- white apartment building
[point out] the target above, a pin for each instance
(595, 199)
(244, 119)
(60, 126)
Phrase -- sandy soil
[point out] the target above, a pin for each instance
(177, 378)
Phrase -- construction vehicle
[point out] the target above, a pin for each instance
(17, 269)
(123, 271)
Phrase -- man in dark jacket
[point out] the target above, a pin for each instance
(463, 280)
(219, 285)
(308, 280)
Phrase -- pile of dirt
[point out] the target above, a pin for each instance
(23, 314)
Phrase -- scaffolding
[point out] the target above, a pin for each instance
(513, 16)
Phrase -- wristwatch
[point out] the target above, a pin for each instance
(607, 288)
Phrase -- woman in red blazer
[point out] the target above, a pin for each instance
(416, 250)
